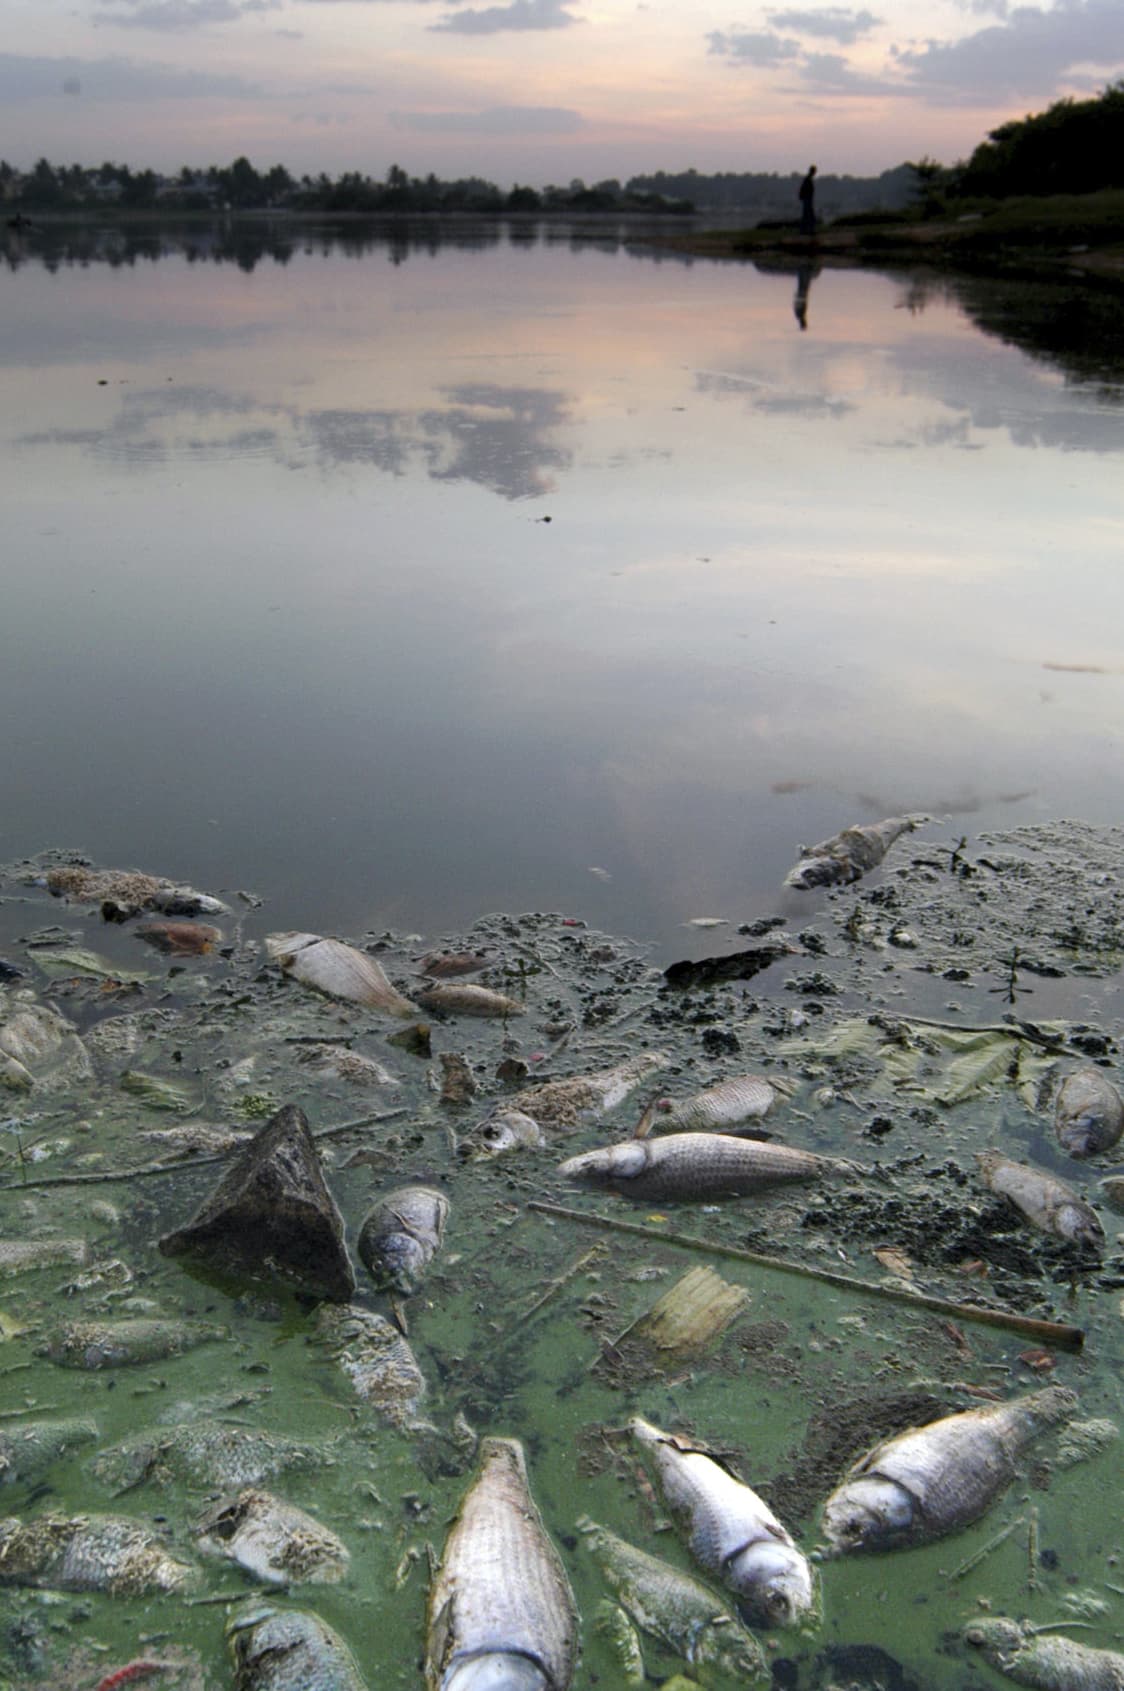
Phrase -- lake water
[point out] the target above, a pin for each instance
(404, 580)
(400, 580)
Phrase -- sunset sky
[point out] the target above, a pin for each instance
(537, 91)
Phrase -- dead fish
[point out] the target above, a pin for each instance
(565, 1103)
(468, 999)
(196, 1138)
(847, 856)
(1043, 1660)
(732, 1532)
(338, 970)
(720, 1108)
(458, 1084)
(28, 1450)
(21, 1256)
(376, 1359)
(675, 1609)
(931, 1481)
(273, 1540)
(1088, 1113)
(450, 965)
(38, 1047)
(400, 1236)
(204, 1451)
(695, 1165)
(179, 939)
(288, 1650)
(501, 1612)
(120, 1344)
(505, 1129)
(1113, 1188)
(126, 892)
(90, 1552)
(1046, 1202)
(347, 1065)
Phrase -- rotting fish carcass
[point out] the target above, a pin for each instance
(566, 1103)
(376, 1359)
(501, 1613)
(179, 939)
(1045, 1661)
(1046, 1202)
(450, 965)
(120, 1344)
(696, 1165)
(205, 1451)
(38, 1047)
(504, 1129)
(109, 1553)
(347, 1065)
(126, 892)
(732, 1532)
(720, 1108)
(22, 1256)
(466, 998)
(338, 970)
(288, 1650)
(847, 856)
(677, 1610)
(930, 1481)
(273, 1540)
(401, 1235)
(29, 1449)
(1088, 1113)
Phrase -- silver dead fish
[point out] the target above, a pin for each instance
(695, 1165)
(401, 1235)
(109, 1553)
(678, 1611)
(288, 1650)
(466, 998)
(273, 1540)
(376, 1359)
(578, 1098)
(732, 1532)
(1088, 1113)
(1046, 1202)
(505, 1129)
(847, 856)
(1043, 1660)
(501, 1612)
(29, 1449)
(930, 1481)
(338, 970)
(120, 1344)
(719, 1108)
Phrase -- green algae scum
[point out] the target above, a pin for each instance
(213, 1476)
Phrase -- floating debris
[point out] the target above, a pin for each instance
(691, 1314)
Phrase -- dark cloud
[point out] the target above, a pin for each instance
(179, 16)
(494, 120)
(832, 23)
(753, 47)
(520, 14)
(1026, 55)
(29, 78)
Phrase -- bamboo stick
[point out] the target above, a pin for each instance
(1056, 1333)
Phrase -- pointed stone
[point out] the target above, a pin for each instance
(273, 1214)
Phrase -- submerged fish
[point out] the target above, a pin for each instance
(401, 1235)
(467, 999)
(119, 1344)
(1088, 1113)
(338, 970)
(1046, 1202)
(204, 1451)
(675, 1609)
(930, 1481)
(501, 1612)
(450, 965)
(179, 939)
(22, 1256)
(1113, 1188)
(732, 1532)
(376, 1359)
(288, 1650)
(1043, 1660)
(29, 1449)
(720, 1108)
(107, 1553)
(273, 1540)
(565, 1103)
(505, 1129)
(695, 1165)
(347, 1065)
(847, 856)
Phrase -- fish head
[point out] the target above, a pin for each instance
(505, 1130)
(995, 1637)
(495, 1670)
(1082, 1135)
(607, 1166)
(773, 1582)
(869, 1513)
(1076, 1222)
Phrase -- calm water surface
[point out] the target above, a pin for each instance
(403, 582)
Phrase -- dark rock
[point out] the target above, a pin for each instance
(273, 1214)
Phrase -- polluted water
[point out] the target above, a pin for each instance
(345, 1343)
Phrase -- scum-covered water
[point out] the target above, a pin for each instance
(525, 1325)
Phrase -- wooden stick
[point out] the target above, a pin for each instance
(974, 1560)
(1055, 1332)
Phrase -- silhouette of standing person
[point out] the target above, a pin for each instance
(807, 196)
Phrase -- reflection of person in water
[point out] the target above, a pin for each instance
(804, 278)
(807, 195)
